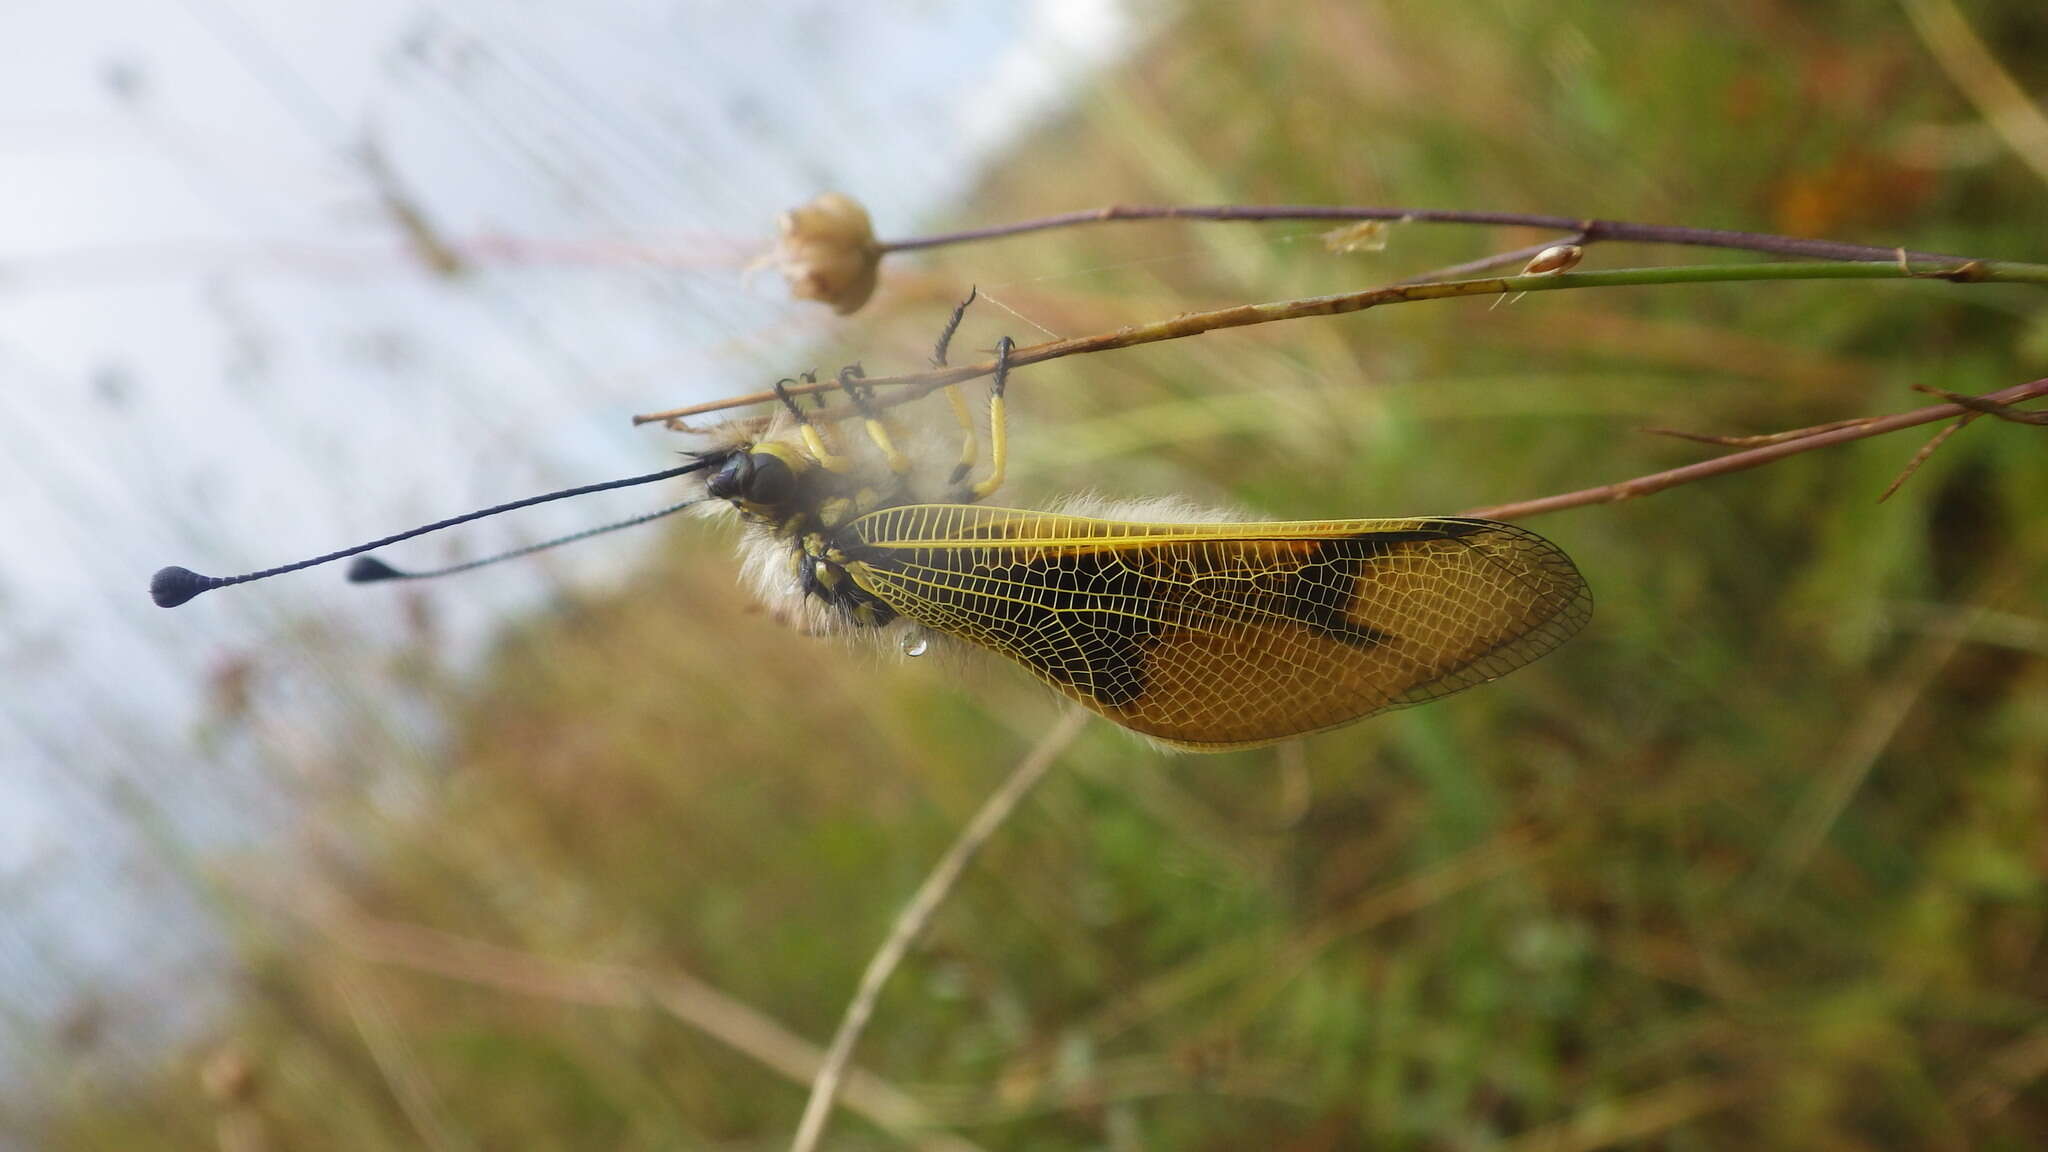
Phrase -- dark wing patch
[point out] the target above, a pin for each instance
(1080, 618)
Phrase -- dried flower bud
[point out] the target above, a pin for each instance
(1364, 236)
(1554, 259)
(226, 1076)
(828, 252)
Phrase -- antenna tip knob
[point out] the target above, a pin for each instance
(173, 586)
(369, 570)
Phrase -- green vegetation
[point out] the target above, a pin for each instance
(1761, 860)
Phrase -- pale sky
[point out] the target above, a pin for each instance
(216, 350)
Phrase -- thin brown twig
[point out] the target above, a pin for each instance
(911, 385)
(912, 920)
(1753, 458)
(1987, 407)
(1592, 230)
(1926, 450)
(1634, 1119)
(1760, 438)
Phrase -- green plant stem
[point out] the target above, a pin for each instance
(915, 384)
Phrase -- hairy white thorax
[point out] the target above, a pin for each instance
(770, 563)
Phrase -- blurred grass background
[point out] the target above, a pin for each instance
(1758, 860)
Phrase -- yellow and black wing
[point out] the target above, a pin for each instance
(1213, 636)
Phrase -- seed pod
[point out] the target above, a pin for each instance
(828, 252)
(1554, 259)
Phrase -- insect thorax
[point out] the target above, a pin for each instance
(797, 512)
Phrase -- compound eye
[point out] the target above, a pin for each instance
(732, 478)
(772, 483)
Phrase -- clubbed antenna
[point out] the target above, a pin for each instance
(173, 586)
(370, 570)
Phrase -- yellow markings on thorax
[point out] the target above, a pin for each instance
(787, 453)
(838, 510)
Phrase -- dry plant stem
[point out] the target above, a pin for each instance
(1395, 899)
(912, 385)
(700, 1006)
(1866, 735)
(401, 1073)
(1592, 230)
(1934, 442)
(1987, 407)
(1752, 458)
(2008, 1072)
(1632, 1121)
(911, 921)
(2015, 116)
(1759, 439)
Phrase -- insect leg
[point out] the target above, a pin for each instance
(849, 381)
(969, 448)
(828, 432)
(969, 445)
(813, 442)
(998, 421)
(952, 326)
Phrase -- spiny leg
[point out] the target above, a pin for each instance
(969, 448)
(849, 381)
(828, 432)
(813, 442)
(998, 425)
(952, 326)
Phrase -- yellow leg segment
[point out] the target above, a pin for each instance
(998, 425)
(969, 445)
(878, 432)
(969, 442)
(814, 442)
(827, 459)
(997, 451)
